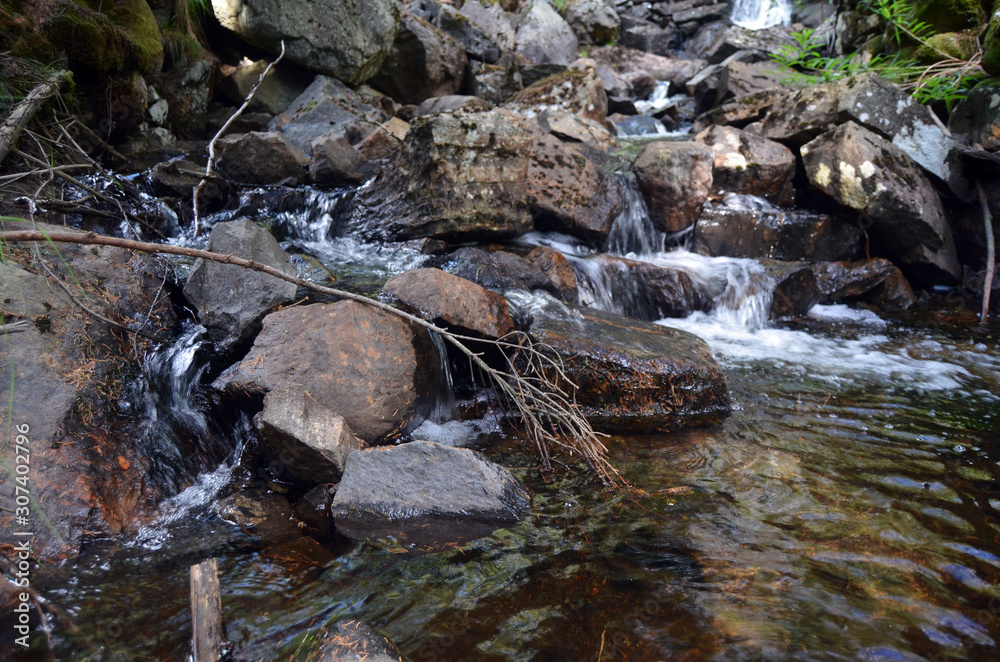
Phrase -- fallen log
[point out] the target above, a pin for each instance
(24, 111)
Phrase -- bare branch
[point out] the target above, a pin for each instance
(22, 114)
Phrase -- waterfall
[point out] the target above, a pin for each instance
(633, 231)
(759, 14)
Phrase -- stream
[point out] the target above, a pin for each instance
(848, 508)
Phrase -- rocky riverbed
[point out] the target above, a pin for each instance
(590, 179)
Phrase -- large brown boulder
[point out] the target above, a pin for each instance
(747, 163)
(375, 370)
(631, 373)
(461, 176)
(675, 178)
(66, 374)
(876, 280)
(423, 62)
(864, 172)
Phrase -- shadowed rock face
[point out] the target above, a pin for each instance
(370, 367)
(424, 478)
(632, 374)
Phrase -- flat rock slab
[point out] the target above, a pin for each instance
(426, 479)
(632, 374)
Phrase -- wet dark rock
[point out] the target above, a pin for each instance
(326, 105)
(648, 37)
(313, 510)
(345, 40)
(499, 270)
(543, 37)
(463, 176)
(558, 270)
(68, 370)
(978, 116)
(354, 641)
(335, 162)
(638, 290)
(864, 172)
(423, 62)
(477, 42)
(876, 104)
(260, 159)
(282, 85)
(450, 103)
(308, 442)
(747, 163)
(231, 301)
(263, 514)
(632, 373)
(796, 288)
(593, 21)
(573, 91)
(377, 371)
(460, 304)
(675, 178)
(179, 178)
(877, 278)
(743, 226)
(425, 479)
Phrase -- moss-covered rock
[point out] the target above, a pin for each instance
(991, 46)
(950, 15)
(961, 45)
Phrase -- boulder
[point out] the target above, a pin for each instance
(900, 203)
(676, 71)
(377, 371)
(573, 91)
(759, 44)
(745, 226)
(635, 289)
(543, 37)
(326, 105)
(675, 178)
(977, 116)
(231, 301)
(747, 163)
(424, 479)
(348, 41)
(450, 104)
(648, 37)
(738, 79)
(593, 21)
(492, 19)
(796, 289)
(308, 441)
(486, 174)
(335, 162)
(741, 111)
(629, 373)
(178, 178)
(423, 62)
(495, 83)
(282, 85)
(570, 128)
(876, 280)
(460, 304)
(878, 105)
(477, 42)
(500, 271)
(65, 390)
(558, 270)
(260, 159)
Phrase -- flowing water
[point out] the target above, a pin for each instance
(760, 14)
(847, 509)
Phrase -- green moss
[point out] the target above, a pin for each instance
(961, 45)
(949, 15)
(991, 46)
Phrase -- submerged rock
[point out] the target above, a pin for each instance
(377, 371)
(425, 479)
(231, 301)
(863, 171)
(630, 374)
(354, 641)
(346, 40)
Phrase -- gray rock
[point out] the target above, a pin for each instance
(744, 226)
(543, 37)
(344, 40)
(629, 373)
(335, 162)
(876, 104)
(260, 159)
(676, 71)
(741, 111)
(478, 42)
(675, 178)
(282, 85)
(495, 83)
(593, 21)
(451, 103)
(493, 21)
(426, 479)
(759, 43)
(459, 303)
(574, 91)
(231, 301)
(423, 62)
(647, 37)
(747, 163)
(864, 172)
(377, 371)
(571, 128)
(978, 116)
(179, 179)
(326, 105)
(308, 441)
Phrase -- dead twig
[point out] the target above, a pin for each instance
(11, 128)
(990, 251)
